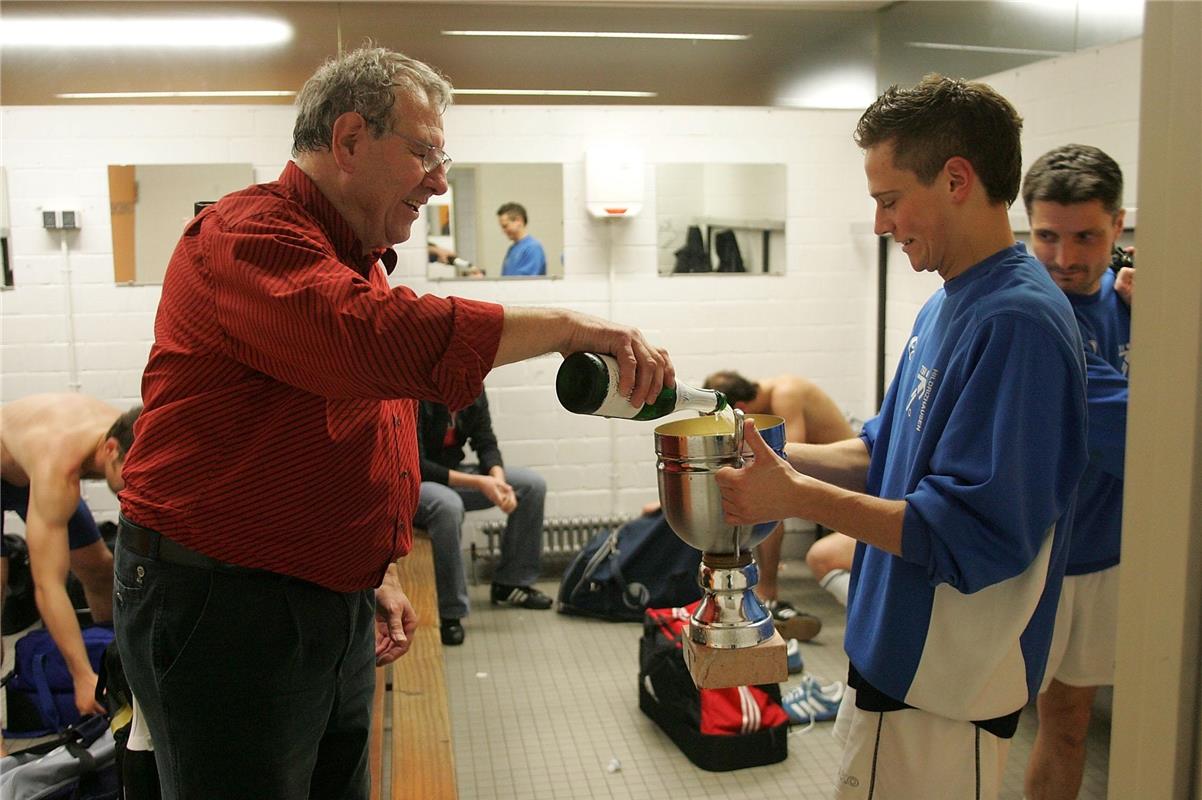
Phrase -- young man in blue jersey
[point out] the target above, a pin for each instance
(960, 490)
(1074, 197)
(525, 256)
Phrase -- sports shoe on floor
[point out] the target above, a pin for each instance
(519, 597)
(793, 656)
(812, 701)
(791, 623)
(451, 632)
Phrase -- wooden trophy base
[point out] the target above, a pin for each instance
(714, 668)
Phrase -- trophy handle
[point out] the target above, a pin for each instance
(739, 419)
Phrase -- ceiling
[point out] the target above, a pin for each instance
(802, 54)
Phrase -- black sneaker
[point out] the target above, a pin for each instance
(791, 623)
(519, 597)
(451, 631)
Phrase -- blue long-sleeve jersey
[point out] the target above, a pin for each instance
(983, 434)
(1105, 324)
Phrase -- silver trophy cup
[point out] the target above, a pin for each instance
(689, 452)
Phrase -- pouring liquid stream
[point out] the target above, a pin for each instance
(727, 417)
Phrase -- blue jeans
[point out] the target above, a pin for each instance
(440, 511)
(254, 685)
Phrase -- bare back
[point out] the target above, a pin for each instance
(810, 415)
(52, 433)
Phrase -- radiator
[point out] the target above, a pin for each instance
(563, 537)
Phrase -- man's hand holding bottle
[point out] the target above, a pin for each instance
(643, 369)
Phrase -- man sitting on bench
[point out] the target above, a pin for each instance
(450, 488)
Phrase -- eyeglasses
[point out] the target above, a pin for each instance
(432, 157)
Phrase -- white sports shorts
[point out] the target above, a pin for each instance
(915, 755)
(1082, 652)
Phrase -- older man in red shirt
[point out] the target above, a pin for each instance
(275, 472)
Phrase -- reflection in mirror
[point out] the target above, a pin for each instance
(726, 218)
(150, 204)
(465, 235)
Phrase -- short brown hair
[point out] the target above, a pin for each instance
(941, 118)
(1074, 173)
(123, 430)
(513, 210)
(736, 388)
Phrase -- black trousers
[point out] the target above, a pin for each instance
(254, 685)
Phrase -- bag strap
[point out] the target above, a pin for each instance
(604, 552)
(634, 595)
(87, 761)
(45, 702)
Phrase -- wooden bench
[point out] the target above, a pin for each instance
(421, 759)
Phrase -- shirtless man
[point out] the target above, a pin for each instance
(48, 443)
(810, 416)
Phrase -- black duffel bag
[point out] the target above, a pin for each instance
(621, 573)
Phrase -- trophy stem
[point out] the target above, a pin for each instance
(730, 616)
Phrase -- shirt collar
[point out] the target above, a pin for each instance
(342, 236)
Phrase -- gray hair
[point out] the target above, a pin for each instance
(362, 81)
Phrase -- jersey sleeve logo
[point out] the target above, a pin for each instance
(924, 384)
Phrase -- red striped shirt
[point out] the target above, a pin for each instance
(272, 436)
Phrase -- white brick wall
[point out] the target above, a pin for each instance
(816, 320)
(1090, 97)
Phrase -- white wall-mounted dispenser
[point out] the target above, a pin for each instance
(613, 181)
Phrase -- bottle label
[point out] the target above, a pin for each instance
(614, 405)
(703, 400)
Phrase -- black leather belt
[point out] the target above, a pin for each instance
(153, 544)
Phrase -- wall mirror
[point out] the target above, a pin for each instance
(464, 220)
(150, 204)
(720, 218)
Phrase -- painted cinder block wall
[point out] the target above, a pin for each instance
(67, 326)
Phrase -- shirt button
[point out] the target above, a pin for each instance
(141, 573)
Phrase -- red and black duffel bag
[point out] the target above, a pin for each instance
(718, 729)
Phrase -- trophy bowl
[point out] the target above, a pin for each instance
(689, 452)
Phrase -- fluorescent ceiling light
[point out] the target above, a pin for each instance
(979, 48)
(832, 86)
(709, 37)
(161, 95)
(556, 92)
(109, 32)
(1087, 8)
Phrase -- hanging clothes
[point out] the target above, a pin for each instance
(729, 257)
(693, 257)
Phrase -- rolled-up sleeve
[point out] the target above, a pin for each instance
(996, 484)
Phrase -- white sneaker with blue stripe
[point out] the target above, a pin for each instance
(793, 656)
(812, 701)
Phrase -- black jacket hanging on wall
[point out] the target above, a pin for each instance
(693, 257)
(729, 257)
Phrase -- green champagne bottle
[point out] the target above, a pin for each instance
(587, 383)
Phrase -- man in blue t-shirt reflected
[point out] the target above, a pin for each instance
(525, 256)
